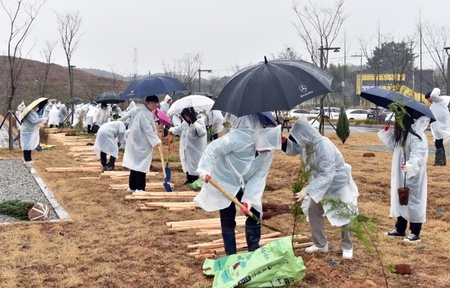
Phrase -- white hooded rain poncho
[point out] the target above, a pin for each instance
(233, 162)
(416, 177)
(441, 127)
(192, 144)
(107, 137)
(53, 118)
(141, 141)
(165, 105)
(331, 177)
(29, 132)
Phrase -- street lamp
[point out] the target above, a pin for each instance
(71, 88)
(322, 115)
(448, 69)
(200, 77)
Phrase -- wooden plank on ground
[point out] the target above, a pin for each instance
(73, 169)
(148, 185)
(162, 195)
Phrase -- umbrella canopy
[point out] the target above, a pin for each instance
(383, 98)
(198, 102)
(75, 101)
(274, 85)
(151, 85)
(162, 117)
(109, 97)
(266, 118)
(38, 102)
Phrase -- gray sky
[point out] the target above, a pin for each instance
(226, 32)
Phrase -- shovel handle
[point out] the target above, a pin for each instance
(162, 160)
(234, 200)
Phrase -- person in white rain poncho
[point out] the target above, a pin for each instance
(330, 177)
(415, 166)
(235, 163)
(53, 118)
(29, 132)
(47, 110)
(441, 127)
(141, 141)
(62, 114)
(92, 110)
(165, 105)
(215, 124)
(193, 133)
(20, 108)
(128, 116)
(107, 141)
(101, 117)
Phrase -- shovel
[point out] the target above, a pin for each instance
(166, 184)
(167, 169)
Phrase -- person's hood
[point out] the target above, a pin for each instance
(304, 134)
(21, 106)
(421, 124)
(167, 98)
(131, 106)
(247, 122)
(435, 95)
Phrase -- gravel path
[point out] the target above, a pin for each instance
(16, 182)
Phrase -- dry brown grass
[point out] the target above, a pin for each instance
(109, 244)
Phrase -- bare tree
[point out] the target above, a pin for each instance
(319, 27)
(68, 26)
(435, 39)
(21, 16)
(185, 69)
(288, 53)
(42, 70)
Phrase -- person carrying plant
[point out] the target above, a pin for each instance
(441, 127)
(237, 164)
(409, 169)
(330, 177)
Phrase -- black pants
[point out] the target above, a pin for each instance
(136, 181)
(402, 223)
(27, 155)
(89, 128)
(104, 160)
(166, 130)
(228, 215)
(214, 137)
(439, 143)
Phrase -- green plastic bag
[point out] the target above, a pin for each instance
(273, 265)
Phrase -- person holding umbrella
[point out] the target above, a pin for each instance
(141, 141)
(238, 165)
(409, 166)
(107, 141)
(29, 132)
(330, 177)
(441, 127)
(193, 133)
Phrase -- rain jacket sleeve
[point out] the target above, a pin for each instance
(441, 127)
(388, 139)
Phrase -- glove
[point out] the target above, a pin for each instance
(205, 176)
(404, 167)
(300, 195)
(171, 129)
(247, 207)
(386, 128)
(283, 139)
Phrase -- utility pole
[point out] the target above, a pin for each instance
(200, 77)
(448, 70)
(360, 74)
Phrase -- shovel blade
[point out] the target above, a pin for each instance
(168, 173)
(167, 187)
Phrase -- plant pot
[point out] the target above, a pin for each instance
(403, 195)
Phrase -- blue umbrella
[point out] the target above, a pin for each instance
(272, 85)
(266, 118)
(151, 85)
(382, 97)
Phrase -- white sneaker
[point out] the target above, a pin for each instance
(347, 254)
(314, 248)
(130, 190)
(139, 191)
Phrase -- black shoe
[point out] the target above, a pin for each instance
(412, 238)
(394, 233)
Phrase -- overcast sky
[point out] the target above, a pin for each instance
(226, 32)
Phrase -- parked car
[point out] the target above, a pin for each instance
(330, 112)
(378, 114)
(356, 114)
(298, 112)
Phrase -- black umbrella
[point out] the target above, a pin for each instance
(274, 85)
(151, 85)
(382, 97)
(109, 97)
(75, 101)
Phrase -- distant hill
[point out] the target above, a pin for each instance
(87, 85)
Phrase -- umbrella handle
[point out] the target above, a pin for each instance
(162, 160)
(234, 200)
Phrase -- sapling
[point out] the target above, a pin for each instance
(343, 126)
(364, 228)
(302, 180)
